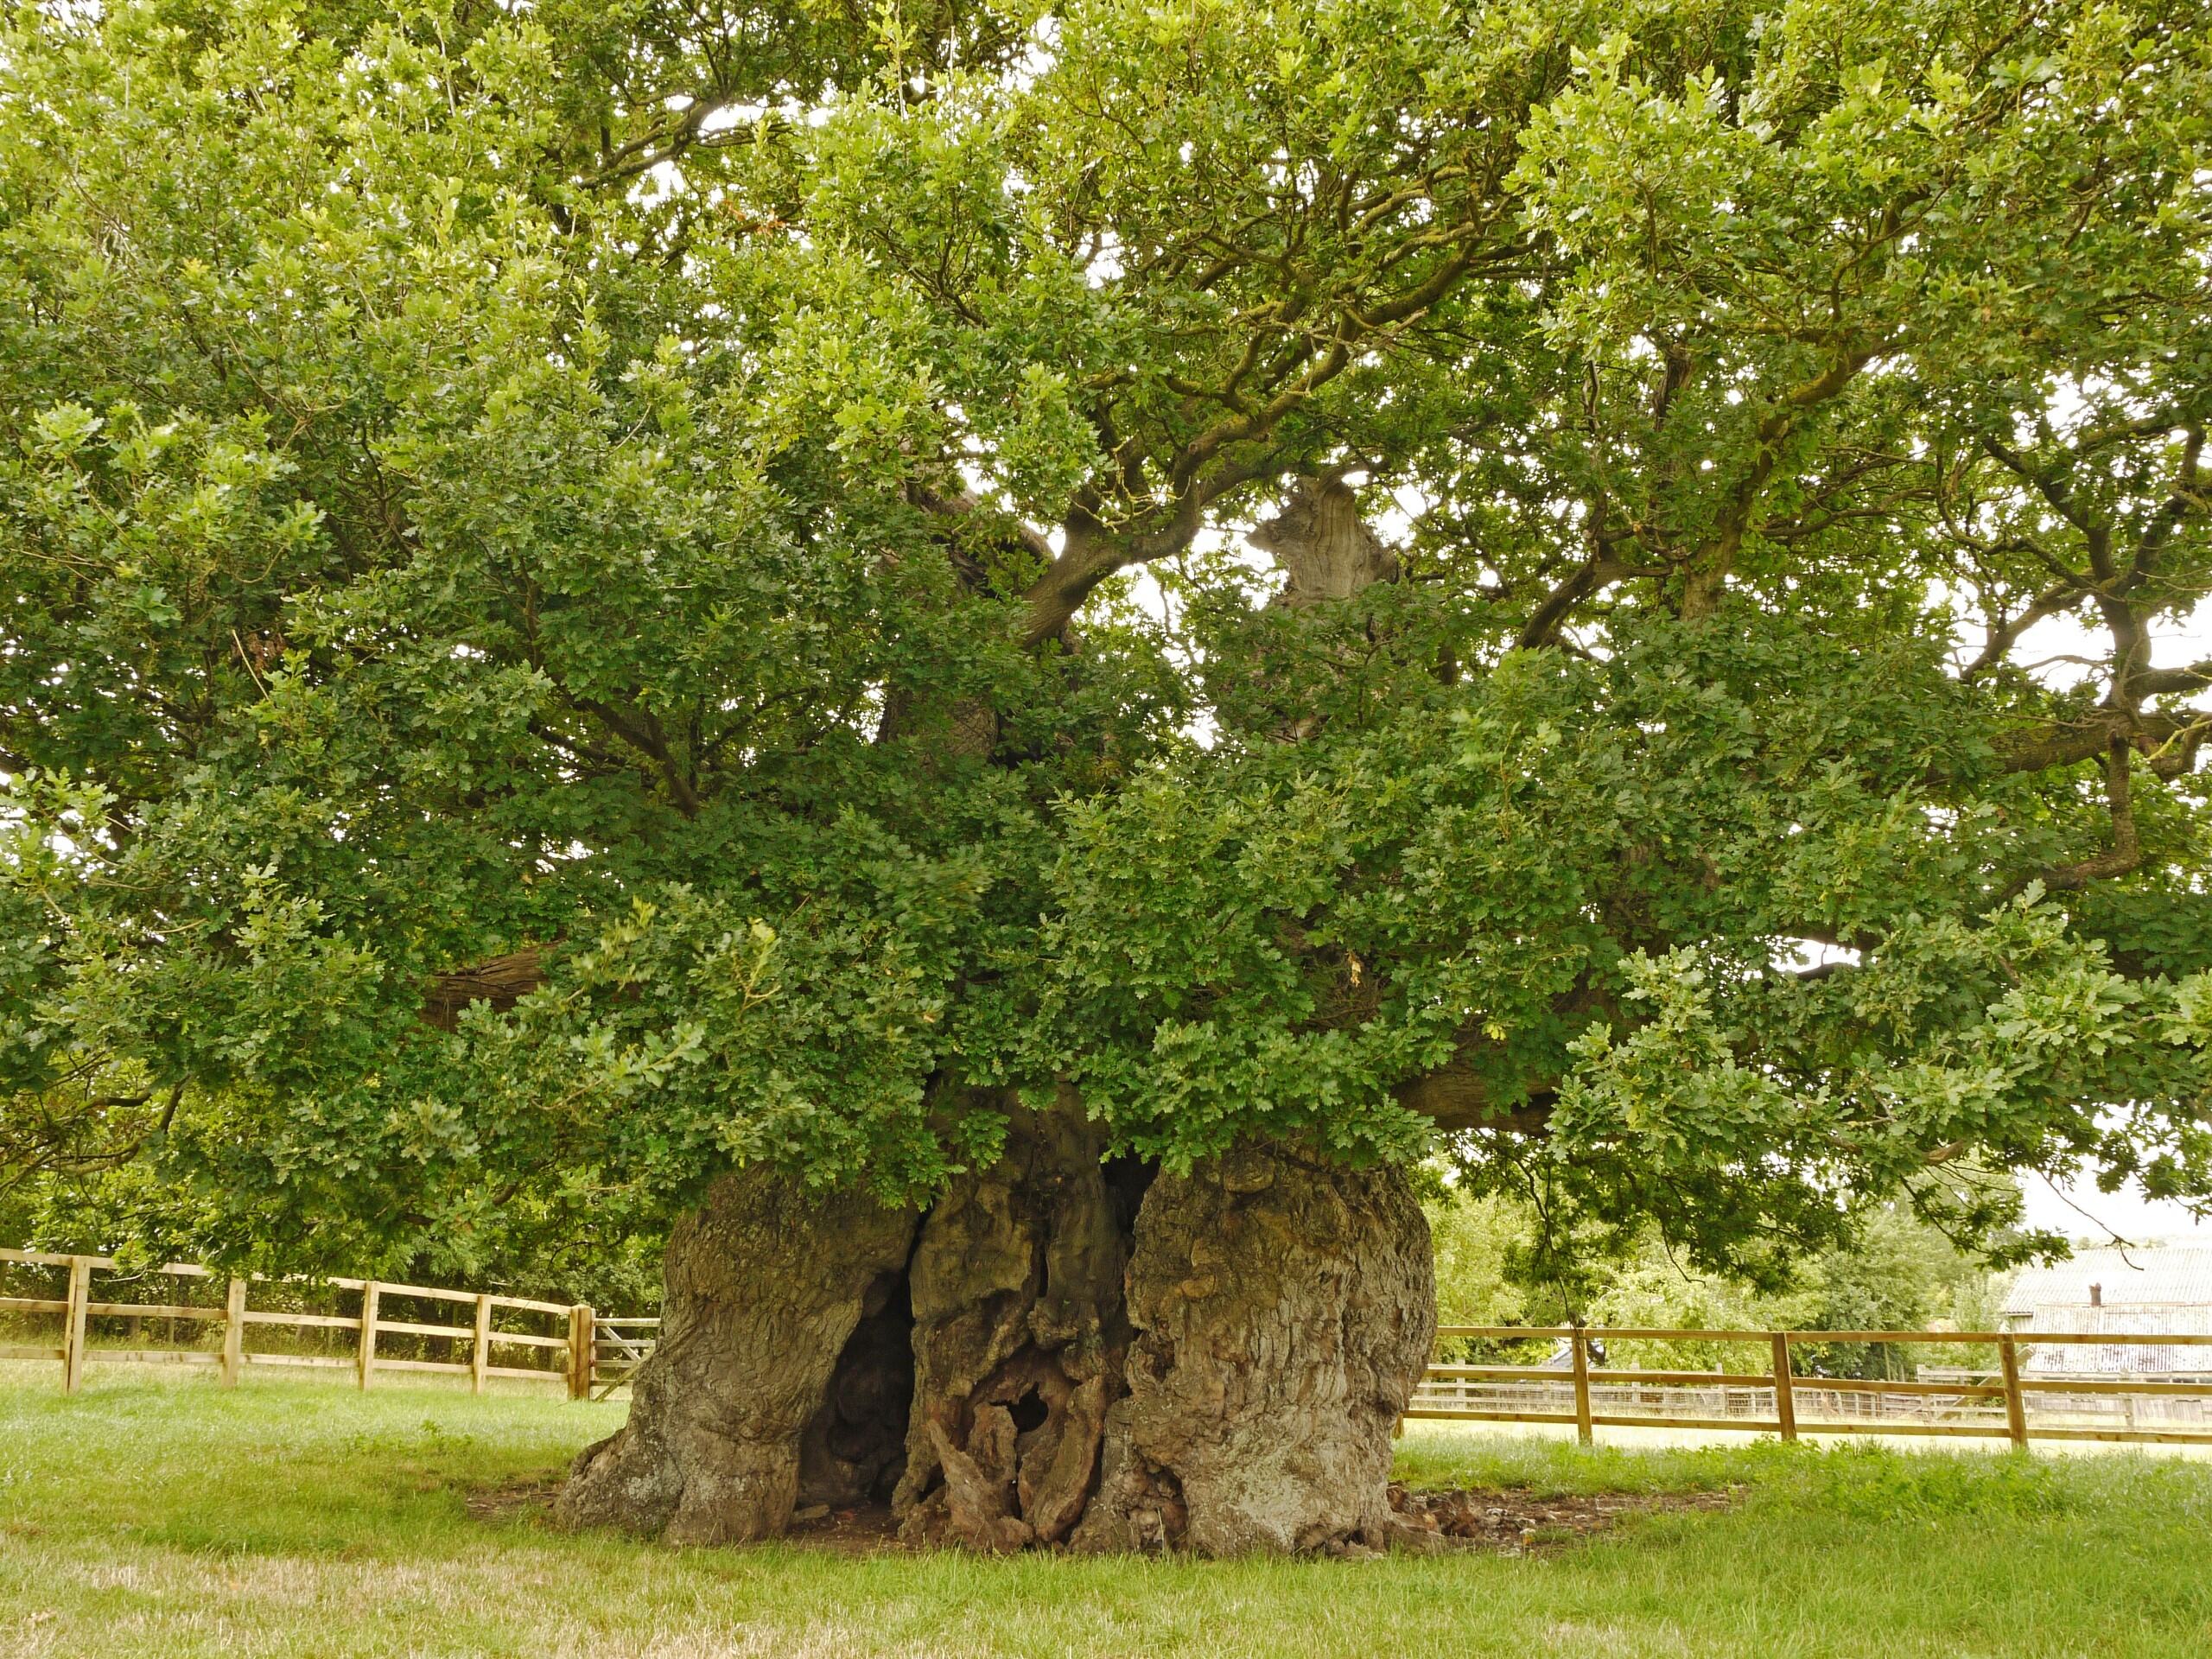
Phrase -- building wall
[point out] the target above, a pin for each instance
(2101, 1359)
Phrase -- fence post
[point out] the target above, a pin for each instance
(583, 1338)
(371, 1295)
(1785, 1396)
(2016, 1409)
(234, 1333)
(73, 1331)
(1583, 1430)
(480, 1356)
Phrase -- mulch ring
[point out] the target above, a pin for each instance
(1520, 1522)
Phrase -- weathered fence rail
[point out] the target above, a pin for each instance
(618, 1347)
(1779, 1401)
(592, 1355)
(578, 1336)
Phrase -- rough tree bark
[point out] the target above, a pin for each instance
(1211, 1361)
(767, 1283)
(1323, 547)
(1019, 1338)
(1284, 1311)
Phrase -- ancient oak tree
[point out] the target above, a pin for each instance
(983, 665)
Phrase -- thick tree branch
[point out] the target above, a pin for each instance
(641, 730)
(1197, 476)
(965, 507)
(1456, 1097)
(2126, 852)
(2053, 489)
(2168, 742)
(1090, 552)
(1709, 570)
(2052, 602)
(502, 981)
(2161, 681)
(1596, 574)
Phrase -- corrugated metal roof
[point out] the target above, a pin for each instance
(2163, 1275)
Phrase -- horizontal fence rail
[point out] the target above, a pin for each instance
(618, 1347)
(593, 1355)
(1780, 1400)
(578, 1336)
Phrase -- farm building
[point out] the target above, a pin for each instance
(2143, 1290)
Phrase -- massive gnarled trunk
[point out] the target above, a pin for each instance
(1285, 1309)
(767, 1283)
(1064, 1351)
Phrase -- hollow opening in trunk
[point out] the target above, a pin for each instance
(1128, 1179)
(855, 1450)
(1020, 1336)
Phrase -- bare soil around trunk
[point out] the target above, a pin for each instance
(1516, 1523)
(1500, 1521)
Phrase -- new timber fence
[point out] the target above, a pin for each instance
(573, 1345)
(2004, 1400)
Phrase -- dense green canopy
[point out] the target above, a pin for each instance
(589, 593)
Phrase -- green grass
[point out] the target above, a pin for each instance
(159, 1516)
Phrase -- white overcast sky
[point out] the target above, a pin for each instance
(2088, 1217)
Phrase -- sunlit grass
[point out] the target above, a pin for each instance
(156, 1515)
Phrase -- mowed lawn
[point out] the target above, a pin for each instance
(159, 1516)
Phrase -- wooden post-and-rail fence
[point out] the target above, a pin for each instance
(1789, 1388)
(589, 1348)
(594, 1352)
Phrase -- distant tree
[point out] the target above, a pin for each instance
(1897, 1274)
(571, 666)
(1476, 1242)
(1495, 1267)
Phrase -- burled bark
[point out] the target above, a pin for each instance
(1322, 545)
(1284, 1310)
(765, 1286)
(1061, 1355)
(1019, 1338)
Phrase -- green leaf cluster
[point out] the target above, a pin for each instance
(732, 520)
